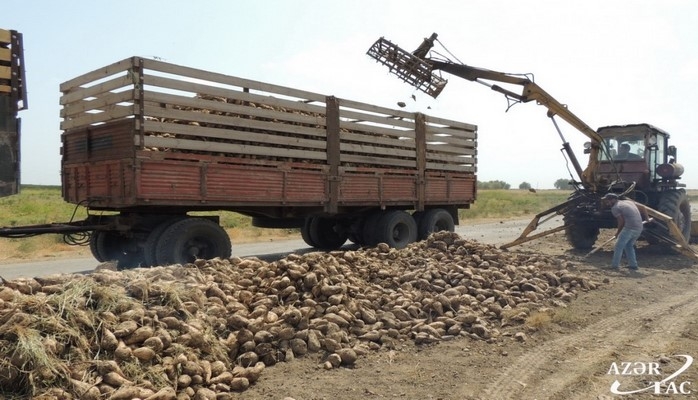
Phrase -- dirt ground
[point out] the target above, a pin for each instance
(636, 334)
(639, 330)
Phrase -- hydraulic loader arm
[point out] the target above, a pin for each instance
(417, 69)
(530, 91)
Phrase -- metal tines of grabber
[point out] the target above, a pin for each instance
(408, 67)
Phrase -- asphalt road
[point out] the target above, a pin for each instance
(496, 233)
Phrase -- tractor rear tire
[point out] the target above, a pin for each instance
(581, 237)
(675, 204)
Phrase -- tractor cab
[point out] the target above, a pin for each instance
(640, 154)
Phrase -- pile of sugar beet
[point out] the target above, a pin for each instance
(209, 329)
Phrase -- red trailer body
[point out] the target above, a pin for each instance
(154, 141)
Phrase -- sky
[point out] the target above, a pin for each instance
(611, 62)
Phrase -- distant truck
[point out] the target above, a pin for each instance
(146, 143)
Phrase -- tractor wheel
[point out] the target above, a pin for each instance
(580, 236)
(675, 204)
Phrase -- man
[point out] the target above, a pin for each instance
(629, 216)
(625, 154)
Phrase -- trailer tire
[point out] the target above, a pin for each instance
(111, 246)
(324, 235)
(356, 234)
(396, 228)
(434, 220)
(368, 228)
(96, 246)
(305, 232)
(151, 243)
(190, 239)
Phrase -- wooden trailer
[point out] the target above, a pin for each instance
(153, 141)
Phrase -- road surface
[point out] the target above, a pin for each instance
(496, 233)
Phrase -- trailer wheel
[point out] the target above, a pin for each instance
(368, 228)
(324, 234)
(305, 232)
(356, 234)
(95, 246)
(435, 220)
(111, 246)
(397, 228)
(191, 239)
(150, 247)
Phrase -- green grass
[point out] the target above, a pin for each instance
(512, 203)
(44, 204)
(36, 205)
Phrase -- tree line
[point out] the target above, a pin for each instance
(562, 183)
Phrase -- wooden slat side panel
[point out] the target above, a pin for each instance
(96, 75)
(103, 142)
(111, 113)
(227, 113)
(168, 180)
(365, 189)
(233, 128)
(306, 187)
(438, 131)
(5, 36)
(356, 188)
(5, 56)
(104, 88)
(270, 185)
(450, 189)
(104, 184)
(267, 185)
(252, 151)
(217, 97)
(230, 80)
(400, 188)
(449, 147)
(458, 125)
(180, 183)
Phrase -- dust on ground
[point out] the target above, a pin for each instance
(646, 321)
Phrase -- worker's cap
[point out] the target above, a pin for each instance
(610, 196)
